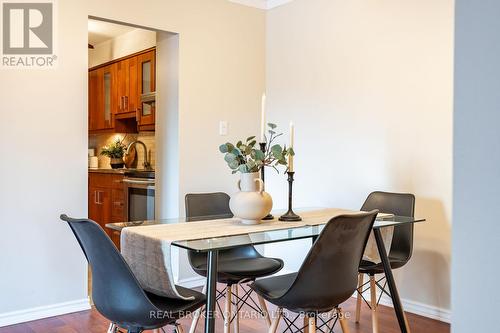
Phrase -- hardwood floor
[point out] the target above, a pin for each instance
(92, 322)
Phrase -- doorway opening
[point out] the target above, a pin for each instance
(132, 124)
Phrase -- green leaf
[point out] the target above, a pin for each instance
(234, 164)
(229, 157)
(271, 125)
(223, 148)
(243, 168)
(276, 149)
(259, 155)
(238, 144)
(250, 138)
(291, 152)
(252, 143)
(235, 151)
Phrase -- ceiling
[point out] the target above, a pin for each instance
(100, 31)
(262, 4)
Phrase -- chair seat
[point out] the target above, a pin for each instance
(177, 307)
(369, 267)
(273, 287)
(234, 270)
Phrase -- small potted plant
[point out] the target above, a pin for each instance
(115, 152)
(252, 203)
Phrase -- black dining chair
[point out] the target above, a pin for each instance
(327, 277)
(400, 204)
(117, 294)
(235, 266)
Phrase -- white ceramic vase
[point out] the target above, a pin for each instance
(251, 203)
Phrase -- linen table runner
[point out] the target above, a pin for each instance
(147, 249)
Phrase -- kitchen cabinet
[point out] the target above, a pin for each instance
(106, 201)
(127, 86)
(102, 98)
(115, 91)
(146, 65)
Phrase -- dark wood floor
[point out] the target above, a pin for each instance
(92, 322)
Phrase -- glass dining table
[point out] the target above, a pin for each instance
(211, 246)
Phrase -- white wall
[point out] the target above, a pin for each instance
(476, 185)
(369, 87)
(221, 76)
(131, 42)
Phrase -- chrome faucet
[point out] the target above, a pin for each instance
(146, 164)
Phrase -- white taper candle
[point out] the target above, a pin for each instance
(263, 119)
(292, 138)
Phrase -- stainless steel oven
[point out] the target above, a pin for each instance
(139, 196)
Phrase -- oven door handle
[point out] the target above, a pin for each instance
(138, 182)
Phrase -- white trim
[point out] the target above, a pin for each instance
(275, 3)
(21, 316)
(421, 309)
(192, 282)
(261, 4)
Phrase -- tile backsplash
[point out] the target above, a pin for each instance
(97, 141)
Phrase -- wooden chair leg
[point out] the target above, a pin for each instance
(343, 321)
(276, 321)
(311, 324)
(112, 328)
(179, 329)
(236, 312)
(373, 303)
(227, 311)
(359, 299)
(197, 314)
(305, 324)
(265, 313)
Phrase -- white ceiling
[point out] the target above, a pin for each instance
(100, 31)
(262, 4)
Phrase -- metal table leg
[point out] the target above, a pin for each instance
(396, 301)
(211, 291)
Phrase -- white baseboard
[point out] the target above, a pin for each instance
(421, 309)
(192, 282)
(21, 316)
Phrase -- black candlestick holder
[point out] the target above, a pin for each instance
(290, 215)
(262, 176)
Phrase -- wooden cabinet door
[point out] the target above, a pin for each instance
(146, 70)
(108, 102)
(126, 82)
(122, 87)
(93, 99)
(100, 206)
(102, 98)
(132, 97)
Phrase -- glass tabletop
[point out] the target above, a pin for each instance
(257, 238)
(274, 236)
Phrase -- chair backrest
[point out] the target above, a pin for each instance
(329, 274)
(203, 206)
(116, 293)
(211, 206)
(402, 204)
